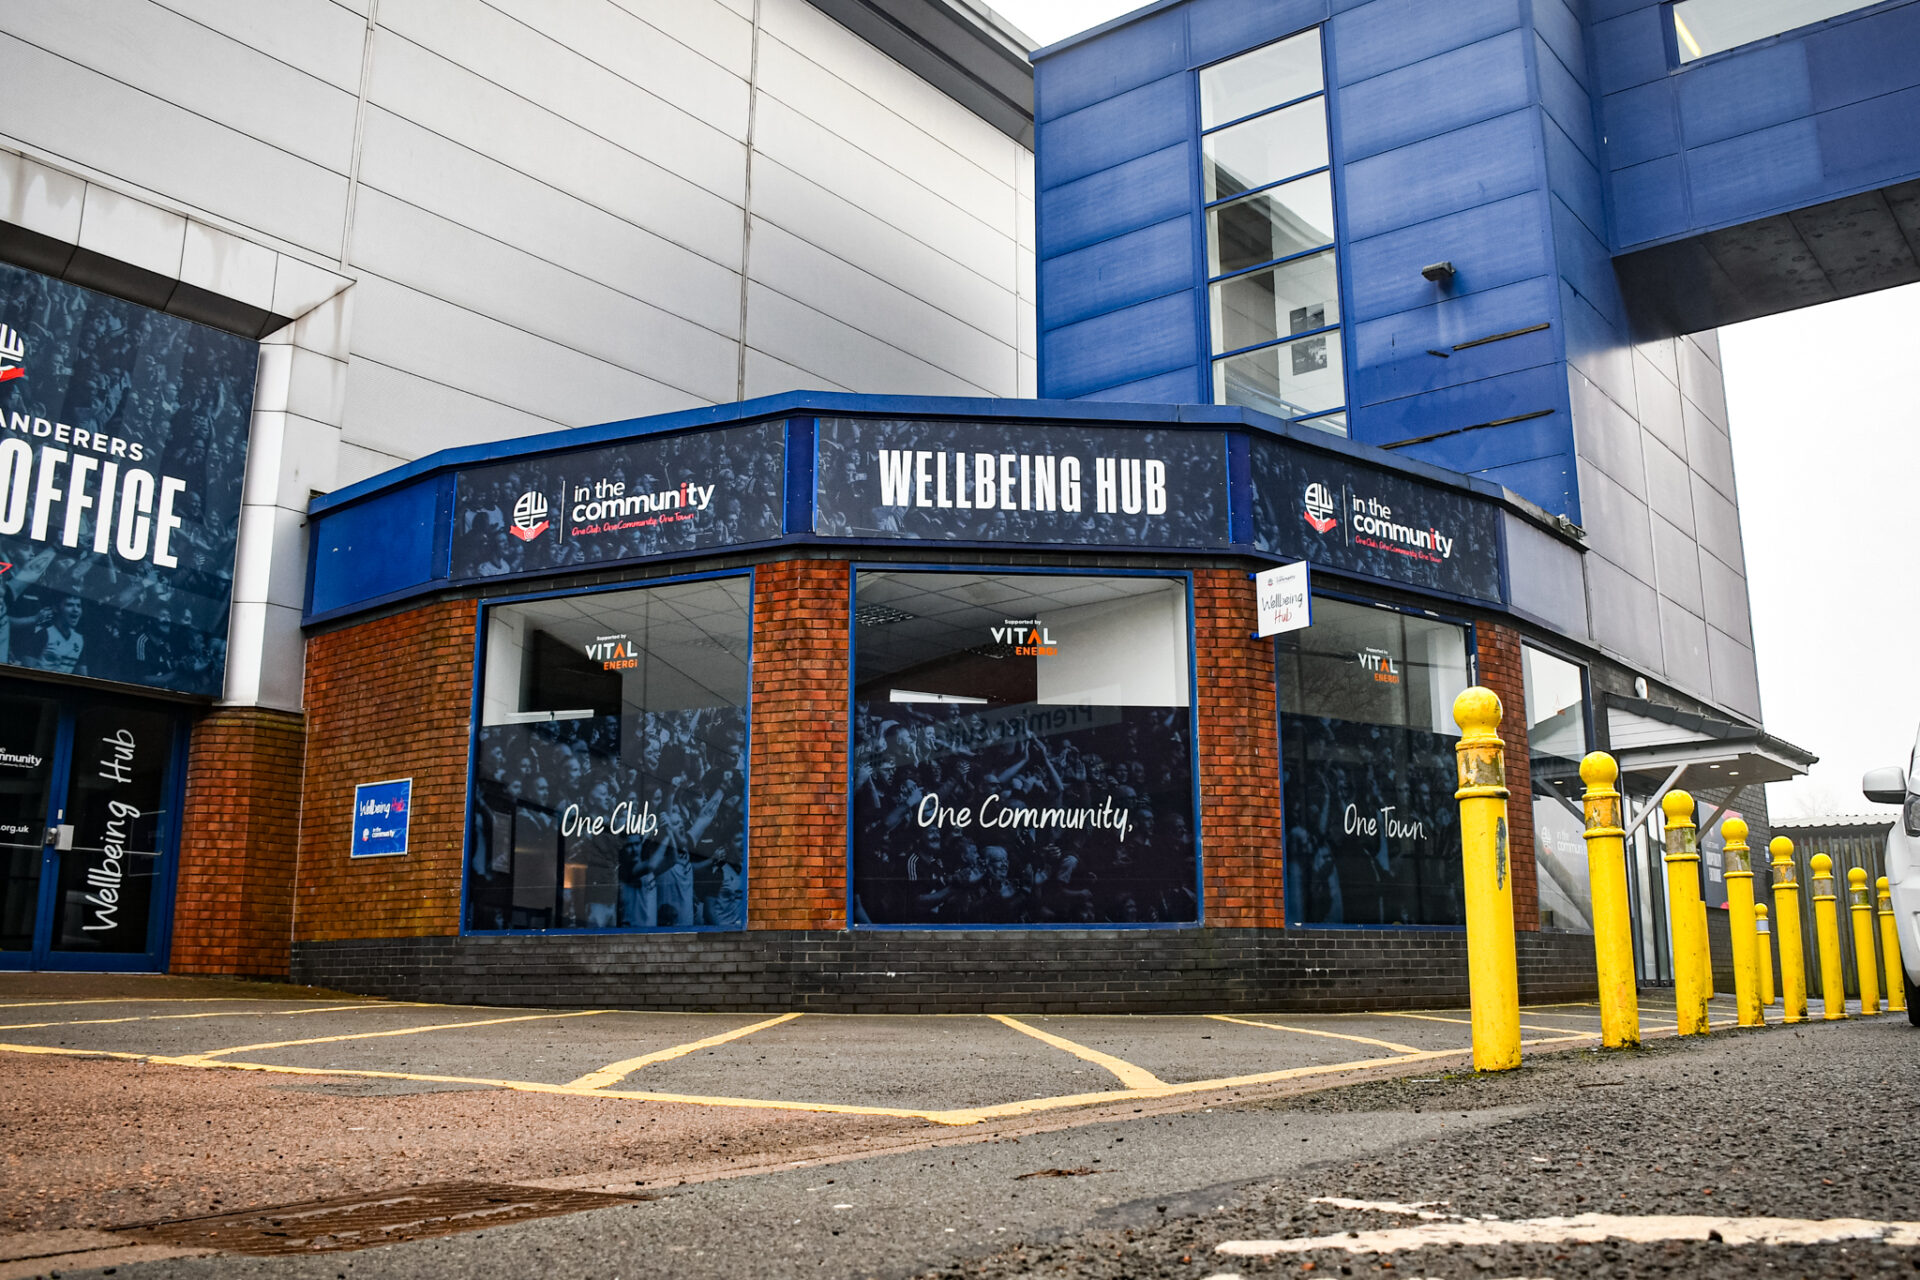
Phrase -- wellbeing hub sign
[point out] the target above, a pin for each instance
(123, 438)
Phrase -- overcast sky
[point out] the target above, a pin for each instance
(1826, 440)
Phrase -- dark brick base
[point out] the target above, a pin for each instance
(1187, 970)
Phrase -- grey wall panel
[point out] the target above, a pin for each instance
(1683, 640)
(834, 287)
(1736, 677)
(830, 161)
(1626, 614)
(1616, 522)
(1717, 524)
(436, 94)
(488, 277)
(719, 30)
(1669, 483)
(690, 119)
(1606, 434)
(1659, 402)
(82, 116)
(1700, 378)
(1725, 595)
(1676, 560)
(1709, 451)
(445, 343)
(323, 38)
(767, 376)
(920, 156)
(806, 339)
(180, 61)
(414, 164)
(1548, 578)
(391, 411)
(802, 27)
(648, 43)
(843, 228)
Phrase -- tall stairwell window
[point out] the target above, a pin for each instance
(1272, 271)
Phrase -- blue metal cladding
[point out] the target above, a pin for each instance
(1800, 119)
(1439, 153)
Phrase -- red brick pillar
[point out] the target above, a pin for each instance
(387, 698)
(233, 898)
(1500, 671)
(1240, 819)
(797, 827)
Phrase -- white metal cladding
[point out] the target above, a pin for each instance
(499, 217)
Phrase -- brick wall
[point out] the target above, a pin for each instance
(389, 698)
(797, 823)
(233, 899)
(1500, 671)
(1239, 754)
(1008, 971)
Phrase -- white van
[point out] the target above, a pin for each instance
(1892, 786)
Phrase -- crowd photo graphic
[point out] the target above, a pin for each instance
(1372, 831)
(1091, 762)
(184, 394)
(671, 786)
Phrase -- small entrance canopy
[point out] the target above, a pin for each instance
(1664, 748)
(1659, 748)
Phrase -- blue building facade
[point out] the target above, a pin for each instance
(1539, 211)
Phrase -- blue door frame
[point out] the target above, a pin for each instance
(43, 954)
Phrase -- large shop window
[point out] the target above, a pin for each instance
(1556, 741)
(1022, 751)
(610, 772)
(1273, 274)
(1368, 771)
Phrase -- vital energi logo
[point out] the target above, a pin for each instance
(13, 354)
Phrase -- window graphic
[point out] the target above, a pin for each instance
(1273, 274)
(610, 765)
(1022, 751)
(1367, 767)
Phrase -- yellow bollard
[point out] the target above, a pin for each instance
(1689, 921)
(1826, 935)
(1786, 922)
(1706, 953)
(1491, 966)
(1746, 967)
(1890, 950)
(1612, 918)
(1763, 954)
(1866, 972)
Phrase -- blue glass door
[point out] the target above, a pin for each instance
(89, 812)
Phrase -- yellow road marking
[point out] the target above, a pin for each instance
(195, 1059)
(615, 1072)
(1128, 1074)
(1308, 1031)
(175, 1017)
(1467, 1022)
(972, 1115)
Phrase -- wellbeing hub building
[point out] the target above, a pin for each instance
(747, 503)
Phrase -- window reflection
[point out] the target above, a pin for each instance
(1557, 739)
(1702, 28)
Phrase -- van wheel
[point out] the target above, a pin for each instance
(1913, 1001)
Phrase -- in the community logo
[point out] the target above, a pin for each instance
(1320, 506)
(530, 516)
(13, 354)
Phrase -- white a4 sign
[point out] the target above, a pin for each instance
(1284, 602)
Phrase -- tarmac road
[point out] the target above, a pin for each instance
(1787, 1122)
